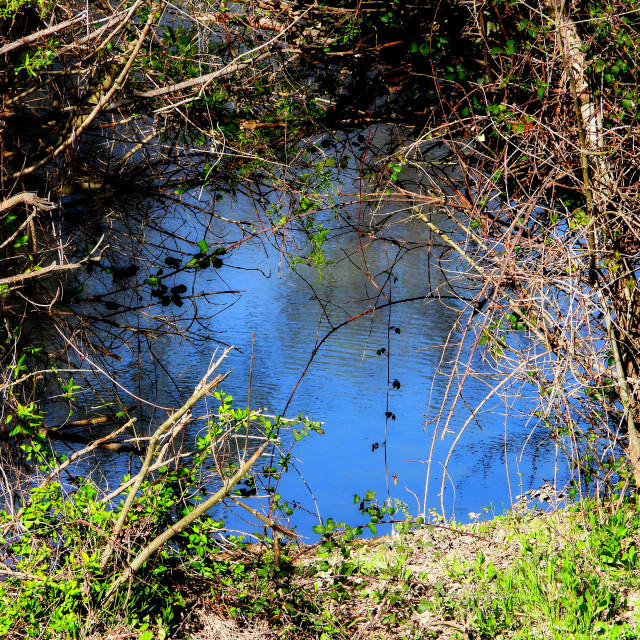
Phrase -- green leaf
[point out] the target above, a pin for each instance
(422, 606)
(204, 247)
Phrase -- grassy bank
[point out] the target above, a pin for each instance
(567, 574)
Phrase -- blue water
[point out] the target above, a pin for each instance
(345, 386)
(499, 455)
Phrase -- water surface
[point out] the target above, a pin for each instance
(349, 386)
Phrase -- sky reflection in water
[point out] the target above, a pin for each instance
(346, 386)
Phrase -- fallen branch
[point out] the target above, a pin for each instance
(27, 197)
(21, 575)
(78, 454)
(201, 82)
(290, 533)
(154, 13)
(33, 37)
(20, 278)
(257, 22)
(154, 467)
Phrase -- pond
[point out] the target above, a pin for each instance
(377, 383)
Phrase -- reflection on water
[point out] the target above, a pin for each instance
(346, 386)
(349, 384)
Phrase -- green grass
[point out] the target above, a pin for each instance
(571, 579)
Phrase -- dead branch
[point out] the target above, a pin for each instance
(182, 524)
(26, 197)
(33, 37)
(21, 278)
(200, 391)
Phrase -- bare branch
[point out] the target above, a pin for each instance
(38, 35)
(21, 278)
